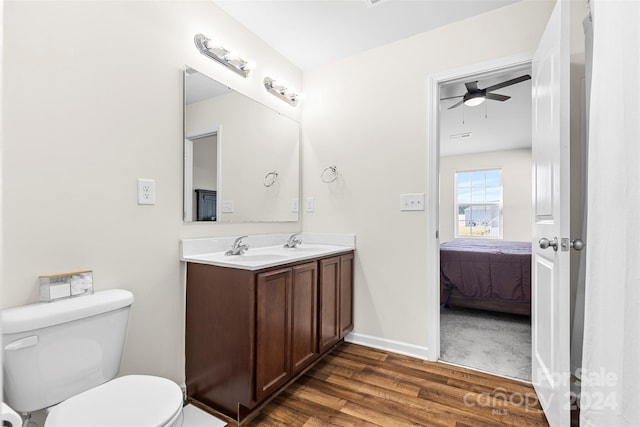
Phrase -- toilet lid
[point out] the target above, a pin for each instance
(132, 400)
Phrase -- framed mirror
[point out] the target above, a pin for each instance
(241, 158)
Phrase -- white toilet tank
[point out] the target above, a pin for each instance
(52, 351)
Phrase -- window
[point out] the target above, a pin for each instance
(478, 207)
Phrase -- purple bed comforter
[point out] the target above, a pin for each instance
(487, 269)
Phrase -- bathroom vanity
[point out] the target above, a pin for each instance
(257, 321)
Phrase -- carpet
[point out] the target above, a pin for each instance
(498, 343)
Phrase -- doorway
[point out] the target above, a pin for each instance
(482, 150)
(201, 176)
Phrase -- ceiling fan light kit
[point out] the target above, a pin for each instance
(473, 99)
(476, 96)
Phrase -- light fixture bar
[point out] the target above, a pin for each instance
(281, 91)
(222, 55)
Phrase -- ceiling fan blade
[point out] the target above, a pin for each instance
(451, 97)
(472, 86)
(497, 97)
(508, 83)
(457, 104)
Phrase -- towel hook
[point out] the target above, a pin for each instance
(270, 178)
(329, 174)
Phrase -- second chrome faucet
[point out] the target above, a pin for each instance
(293, 241)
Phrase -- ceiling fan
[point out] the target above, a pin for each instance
(476, 96)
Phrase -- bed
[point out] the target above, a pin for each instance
(486, 274)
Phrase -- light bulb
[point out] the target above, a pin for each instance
(213, 44)
(231, 56)
(472, 102)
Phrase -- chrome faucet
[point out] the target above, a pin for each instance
(293, 241)
(237, 248)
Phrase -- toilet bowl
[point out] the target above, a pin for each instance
(131, 400)
(65, 355)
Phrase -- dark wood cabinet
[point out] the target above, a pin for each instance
(273, 331)
(346, 294)
(220, 337)
(250, 333)
(304, 316)
(336, 299)
(286, 325)
(329, 302)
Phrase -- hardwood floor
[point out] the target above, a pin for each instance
(360, 386)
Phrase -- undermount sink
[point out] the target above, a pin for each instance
(256, 257)
(300, 249)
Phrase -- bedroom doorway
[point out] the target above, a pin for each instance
(484, 218)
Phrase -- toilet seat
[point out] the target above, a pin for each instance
(131, 400)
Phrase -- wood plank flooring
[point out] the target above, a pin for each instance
(360, 386)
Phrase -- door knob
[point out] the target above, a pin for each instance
(577, 244)
(545, 243)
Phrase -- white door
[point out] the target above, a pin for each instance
(550, 269)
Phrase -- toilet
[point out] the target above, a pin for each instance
(65, 355)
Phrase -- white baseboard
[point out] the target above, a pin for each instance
(388, 345)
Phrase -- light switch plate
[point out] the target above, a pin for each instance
(295, 205)
(227, 206)
(146, 191)
(412, 202)
(310, 204)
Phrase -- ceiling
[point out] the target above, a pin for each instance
(310, 33)
(199, 87)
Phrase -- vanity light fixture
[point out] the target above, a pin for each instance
(282, 92)
(229, 59)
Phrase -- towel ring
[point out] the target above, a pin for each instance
(270, 178)
(329, 174)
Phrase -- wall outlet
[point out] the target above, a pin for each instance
(412, 202)
(146, 191)
(310, 204)
(227, 206)
(295, 204)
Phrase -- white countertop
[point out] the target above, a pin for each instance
(265, 250)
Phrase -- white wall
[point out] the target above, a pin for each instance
(367, 114)
(516, 190)
(92, 101)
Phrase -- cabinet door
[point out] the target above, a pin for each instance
(329, 302)
(346, 294)
(304, 315)
(273, 324)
